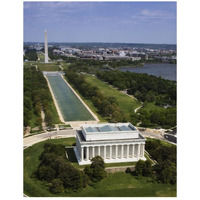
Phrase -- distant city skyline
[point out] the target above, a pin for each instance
(120, 22)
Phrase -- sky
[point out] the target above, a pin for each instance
(126, 22)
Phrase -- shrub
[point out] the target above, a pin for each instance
(57, 186)
(96, 171)
(128, 170)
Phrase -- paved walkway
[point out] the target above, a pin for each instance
(61, 66)
(136, 109)
(43, 120)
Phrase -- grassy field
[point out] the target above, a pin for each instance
(41, 56)
(48, 67)
(126, 103)
(128, 186)
(43, 66)
(151, 106)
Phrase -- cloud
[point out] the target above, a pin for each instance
(149, 16)
(56, 11)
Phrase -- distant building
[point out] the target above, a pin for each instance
(135, 58)
(116, 58)
(120, 142)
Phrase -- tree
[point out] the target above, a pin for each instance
(96, 171)
(49, 118)
(140, 165)
(167, 172)
(71, 177)
(57, 186)
(147, 171)
(97, 162)
(46, 173)
(143, 168)
(98, 174)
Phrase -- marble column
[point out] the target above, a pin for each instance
(116, 152)
(122, 152)
(142, 151)
(110, 153)
(93, 152)
(138, 152)
(127, 156)
(82, 153)
(133, 151)
(87, 153)
(104, 152)
(98, 150)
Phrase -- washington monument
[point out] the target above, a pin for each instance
(46, 46)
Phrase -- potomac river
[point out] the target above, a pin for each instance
(165, 70)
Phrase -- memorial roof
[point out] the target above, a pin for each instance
(109, 128)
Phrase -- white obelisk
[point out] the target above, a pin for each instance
(46, 46)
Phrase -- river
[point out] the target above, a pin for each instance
(165, 70)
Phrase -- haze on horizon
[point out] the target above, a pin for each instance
(112, 22)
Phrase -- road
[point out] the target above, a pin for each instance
(159, 136)
(30, 140)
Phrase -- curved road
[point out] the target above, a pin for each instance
(30, 140)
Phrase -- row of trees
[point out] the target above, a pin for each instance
(106, 106)
(61, 175)
(36, 97)
(165, 169)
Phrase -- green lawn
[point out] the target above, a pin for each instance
(47, 66)
(65, 65)
(151, 106)
(126, 103)
(115, 185)
(43, 66)
(40, 56)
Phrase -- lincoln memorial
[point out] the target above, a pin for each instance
(114, 142)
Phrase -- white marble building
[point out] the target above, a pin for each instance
(120, 142)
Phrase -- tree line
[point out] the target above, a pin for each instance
(165, 169)
(165, 118)
(144, 87)
(37, 97)
(106, 106)
(147, 88)
(61, 175)
(31, 55)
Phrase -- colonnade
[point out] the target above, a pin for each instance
(109, 152)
